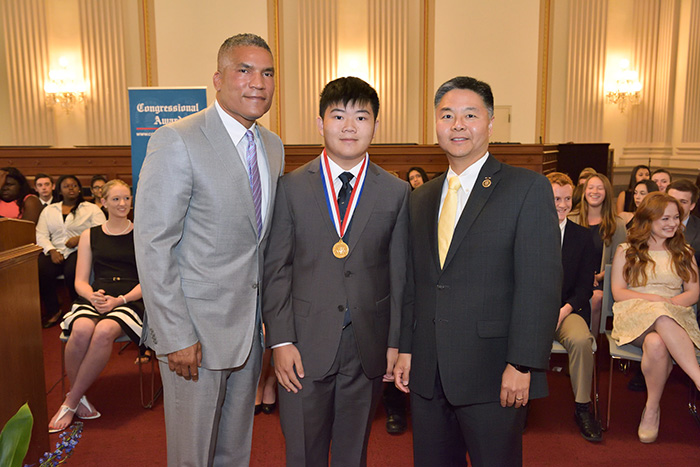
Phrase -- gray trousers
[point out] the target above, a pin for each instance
(334, 410)
(210, 422)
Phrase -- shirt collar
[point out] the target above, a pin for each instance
(467, 178)
(336, 170)
(234, 128)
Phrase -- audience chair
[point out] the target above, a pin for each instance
(123, 339)
(629, 352)
(557, 348)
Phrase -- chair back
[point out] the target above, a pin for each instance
(608, 300)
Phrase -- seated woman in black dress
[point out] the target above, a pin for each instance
(105, 310)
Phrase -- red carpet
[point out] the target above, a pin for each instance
(128, 435)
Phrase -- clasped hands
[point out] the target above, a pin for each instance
(104, 303)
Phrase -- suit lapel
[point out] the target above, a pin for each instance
(365, 206)
(221, 142)
(477, 200)
(316, 183)
(274, 168)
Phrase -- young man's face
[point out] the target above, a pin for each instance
(686, 200)
(44, 187)
(347, 132)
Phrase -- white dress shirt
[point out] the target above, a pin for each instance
(52, 231)
(336, 170)
(237, 133)
(467, 180)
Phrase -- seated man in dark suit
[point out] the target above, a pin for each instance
(574, 316)
(687, 193)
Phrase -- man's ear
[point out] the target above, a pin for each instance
(319, 125)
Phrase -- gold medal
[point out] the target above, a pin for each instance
(486, 183)
(340, 249)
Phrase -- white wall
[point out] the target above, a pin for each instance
(495, 41)
(189, 34)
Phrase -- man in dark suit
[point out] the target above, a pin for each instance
(335, 270)
(573, 327)
(687, 193)
(482, 295)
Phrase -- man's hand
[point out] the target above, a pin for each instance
(56, 257)
(392, 353)
(186, 362)
(515, 387)
(564, 311)
(402, 370)
(287, 358)
(73, 241)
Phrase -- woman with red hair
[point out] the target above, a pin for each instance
(655, 285)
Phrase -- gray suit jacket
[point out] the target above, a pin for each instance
(497, 298)
(197, 248)
(307, 288)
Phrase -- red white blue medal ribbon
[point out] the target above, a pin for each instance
(341, 225)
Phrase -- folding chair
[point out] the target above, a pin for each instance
(126, 341)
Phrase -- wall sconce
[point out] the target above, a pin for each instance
(63, 88)
(627, 89)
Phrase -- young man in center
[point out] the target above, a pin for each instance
(335, 269)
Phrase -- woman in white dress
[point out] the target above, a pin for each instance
(655, 285)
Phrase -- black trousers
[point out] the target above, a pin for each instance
(48, 272)
(443, 433)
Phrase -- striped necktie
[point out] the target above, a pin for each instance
(254, 178)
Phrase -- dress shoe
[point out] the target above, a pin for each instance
(637, 382)
(649, 435)
(267, 409)
(258, 408)
(589, 426)
(395, 424)
(53, 321)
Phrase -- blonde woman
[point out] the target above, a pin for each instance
(106, 309)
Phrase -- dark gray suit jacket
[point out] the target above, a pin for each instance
(497, 298)
(306, 288)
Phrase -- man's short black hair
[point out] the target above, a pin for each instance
(42, 175)
(685, 185)
(239, 40)
(348, 90)
(471, 84)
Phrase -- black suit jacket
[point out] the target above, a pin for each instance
(692, 235)
(306, 288)
(496, 300)
(579, 263)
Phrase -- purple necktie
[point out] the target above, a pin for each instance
(254, 178)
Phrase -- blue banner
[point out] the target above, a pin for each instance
(151, 108)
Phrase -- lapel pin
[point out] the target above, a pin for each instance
(486, 183)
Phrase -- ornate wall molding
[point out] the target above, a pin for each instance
(24, 26)
(584, 81)
(107, 112)
(691, 117)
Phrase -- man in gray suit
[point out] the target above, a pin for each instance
(483, 293)
(335, 269)
(202, 213)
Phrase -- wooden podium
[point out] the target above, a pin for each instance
(20, 321)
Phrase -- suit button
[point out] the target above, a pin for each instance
(255, 286)
(348, 274)
(442, 287)
(341, 307)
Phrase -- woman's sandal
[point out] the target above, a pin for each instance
(90, 407)
(62, 412)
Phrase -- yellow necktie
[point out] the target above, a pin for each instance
(446, 224)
